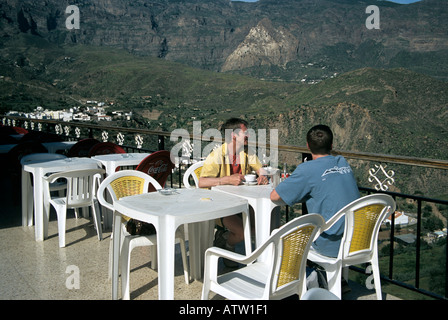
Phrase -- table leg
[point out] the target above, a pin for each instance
(45, 208)
(263, 224)
(247, 232)
(39, 221)
(165, 253)
(27, 200)
(116, 238)
(200, 235)
(194, 249)
(207, 237)
(107, 214)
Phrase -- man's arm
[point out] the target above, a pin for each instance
(234, 179)
(275, 196)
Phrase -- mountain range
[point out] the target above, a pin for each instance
(270, 39)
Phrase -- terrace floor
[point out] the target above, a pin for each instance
(31, 270)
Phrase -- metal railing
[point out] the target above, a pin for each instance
(151, 140)
(418, 246)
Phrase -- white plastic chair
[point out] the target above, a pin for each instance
(126, 183)
(359, 244)
(194, 171)
(281, 275)
(81, 192)
(27, 215)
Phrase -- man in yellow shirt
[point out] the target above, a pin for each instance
(228, 165)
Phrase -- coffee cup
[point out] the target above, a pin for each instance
(250, 177)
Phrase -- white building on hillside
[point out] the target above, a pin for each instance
(400, 218)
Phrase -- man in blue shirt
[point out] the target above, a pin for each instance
(326, 184)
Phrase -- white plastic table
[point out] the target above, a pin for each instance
(167, 213)
(52, 147)
(4, 148)
(259, 197)
(112, 161)
(39, 170)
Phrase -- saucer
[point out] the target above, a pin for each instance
(251, 183)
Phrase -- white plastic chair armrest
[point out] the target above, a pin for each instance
(51, 178)
(212, 256)
(222, 253)
(242, 259)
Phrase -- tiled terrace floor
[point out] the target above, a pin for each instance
(40, 270)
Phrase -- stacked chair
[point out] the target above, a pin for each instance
(81, 193)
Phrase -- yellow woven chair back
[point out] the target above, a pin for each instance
(127, 186)
(365, 220)
(294, 246)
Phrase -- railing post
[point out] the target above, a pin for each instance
(417, 254)
(446, 269)
(391, 248)
(161, 142)
(180, 173)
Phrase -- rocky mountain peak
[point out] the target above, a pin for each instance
(263, 45)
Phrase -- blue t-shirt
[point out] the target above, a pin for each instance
(326, 185)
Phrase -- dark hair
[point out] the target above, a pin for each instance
(320, 139)
(233, 124)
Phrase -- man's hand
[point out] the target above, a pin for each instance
(235, 179)
(262, 180)
(275, 196)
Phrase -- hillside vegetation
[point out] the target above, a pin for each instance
(389, 111)
(386, 110)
